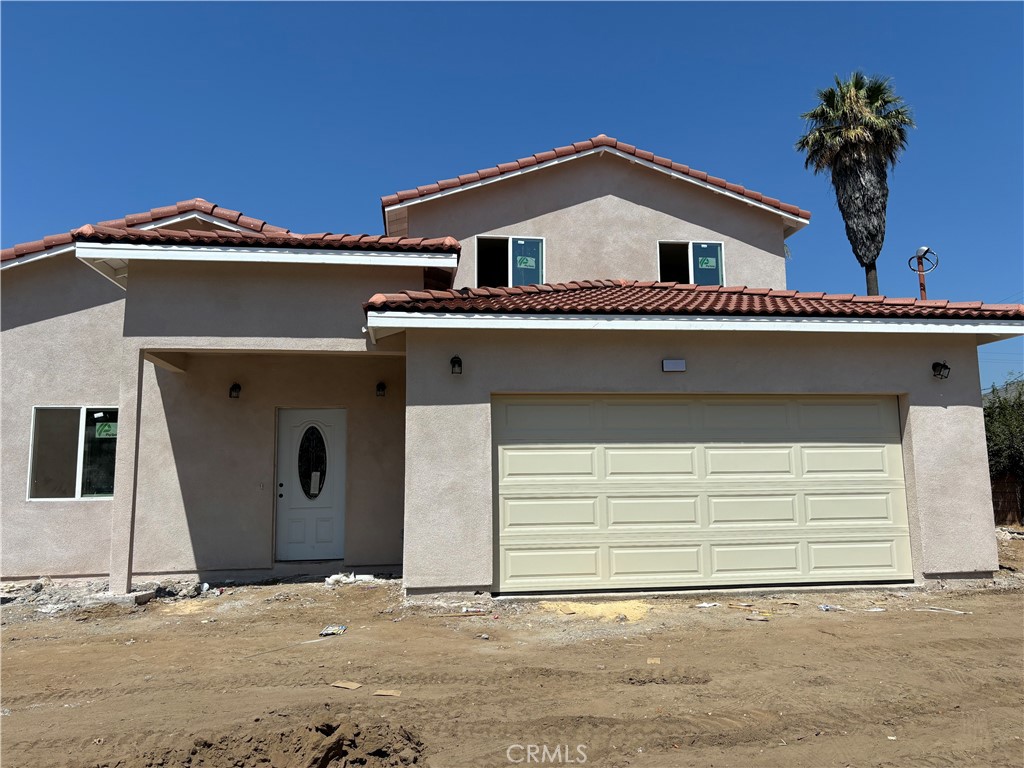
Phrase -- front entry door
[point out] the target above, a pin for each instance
(311, 484)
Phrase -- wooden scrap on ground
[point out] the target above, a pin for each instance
(348, 685)
(387, 692)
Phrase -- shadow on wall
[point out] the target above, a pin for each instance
(55, 287)
(207, 467)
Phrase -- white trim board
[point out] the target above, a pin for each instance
(795, 223)
(395, 322)
(111, 259)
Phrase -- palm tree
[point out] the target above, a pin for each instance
(856, 130)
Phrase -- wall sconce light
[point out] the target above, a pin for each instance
(940, 370)
(382, 389)
(236, 391)
(456, 366)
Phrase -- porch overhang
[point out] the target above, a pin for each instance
(112, 259)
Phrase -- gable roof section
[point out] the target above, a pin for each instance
(196, 206)
(636, 298)
(600, 143)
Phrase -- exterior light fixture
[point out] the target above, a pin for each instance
(236, 391)
(456, 366)
(940, 370)
(382, 389)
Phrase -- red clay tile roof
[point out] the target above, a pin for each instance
(195, 205)
(632, 297)
(585, 146)
(324, 240)
(260, 233)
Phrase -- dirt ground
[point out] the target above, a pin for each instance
(232, 680)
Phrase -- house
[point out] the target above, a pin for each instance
(545, 376)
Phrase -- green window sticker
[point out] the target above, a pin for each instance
(106, 429)
(526, 262)
(707, 262)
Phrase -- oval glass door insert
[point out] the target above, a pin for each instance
(312, 462)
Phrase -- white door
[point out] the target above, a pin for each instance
(672, 491)
(311, 484)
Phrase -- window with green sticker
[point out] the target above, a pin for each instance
(505, 261)
(527, 261)
(73, 452)
(706, 261)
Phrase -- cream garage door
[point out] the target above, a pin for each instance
(633, 492)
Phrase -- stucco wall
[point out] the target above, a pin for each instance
(256, 306)
(71, 338)
(61, 334)
(448, 510)
(602, 218)
(206, 488)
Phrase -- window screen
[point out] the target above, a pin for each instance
(707, 263)
(527, 261)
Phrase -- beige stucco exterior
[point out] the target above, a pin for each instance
(450, 539)
(602, 217)
(195, 473)
(196, 494)
(61, 329)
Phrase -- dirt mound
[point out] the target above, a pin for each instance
(317, 745)
(664, 678)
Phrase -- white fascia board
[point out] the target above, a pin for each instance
(406, 320)
(263, 255)
(794, 223)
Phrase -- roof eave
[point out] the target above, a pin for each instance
(384, 322)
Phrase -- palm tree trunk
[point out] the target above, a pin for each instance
(871, 272)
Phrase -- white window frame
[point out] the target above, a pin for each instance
(81, 452)
(689, 251)
(508, 260)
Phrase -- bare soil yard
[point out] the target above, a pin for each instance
(230, 680)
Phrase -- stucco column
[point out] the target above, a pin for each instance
(122, 513)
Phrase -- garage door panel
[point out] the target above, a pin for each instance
(530, 463)
(662, 562)
(849, 416)
(752, 510)
(557, 417)
(730, 559)
(568, 563)
(749, 460)
(845, 460)
(852, 556)
(848, 508)
(749, 416)
(630, 462)
(652, 511)
(646, 416)
(693, 490)
(546, 513)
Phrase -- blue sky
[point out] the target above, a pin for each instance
(304, 114)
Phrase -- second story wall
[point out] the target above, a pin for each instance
(603, 217)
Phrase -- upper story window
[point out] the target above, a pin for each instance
(699, 263)
(505, 261)
(73, 452)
